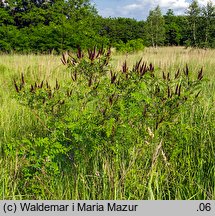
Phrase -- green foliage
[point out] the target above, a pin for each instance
(155, 28)
(121, 29)
(193, 12)
(208, 13)
(130, 46)
(40, 159)
(41, 27)
(201, 22)
(102, 116)
(32, 26)
(172, 29)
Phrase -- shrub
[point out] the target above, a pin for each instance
(101, 114)
(130, 46)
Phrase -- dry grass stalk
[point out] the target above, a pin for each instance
(165, 158)
(156, 155)
(151, 134)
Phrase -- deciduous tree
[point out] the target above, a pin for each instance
(155, 27)
(208, 13)
(193, 13)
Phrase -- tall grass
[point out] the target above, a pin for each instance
(154, 167)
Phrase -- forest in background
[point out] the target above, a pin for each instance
(101, 125)
(44, 26)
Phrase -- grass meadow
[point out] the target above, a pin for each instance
(78, 153)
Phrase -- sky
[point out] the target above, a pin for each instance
(139, 9)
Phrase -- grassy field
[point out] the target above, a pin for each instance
(81, 151)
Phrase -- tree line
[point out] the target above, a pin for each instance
(55, 25)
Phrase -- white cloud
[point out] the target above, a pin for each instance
(107, 12)
(139, 9)
(173, 4)
(164, 4)
(204, 2)
(131, 7)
